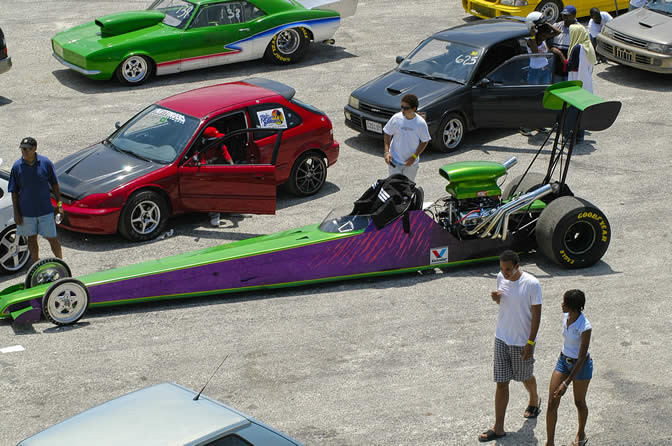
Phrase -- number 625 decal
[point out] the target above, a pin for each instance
(466, 59)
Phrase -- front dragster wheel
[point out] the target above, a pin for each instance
(143, 217)
(135, 70)
(572, 232)
(308, 174)
(532, 181)
(450, 134)
(288, 46)
(46, 271)
(65, 302)
(13, 250)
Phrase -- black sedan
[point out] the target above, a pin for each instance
(471, 76)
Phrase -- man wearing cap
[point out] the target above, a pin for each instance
(31, 182)
(561, 41)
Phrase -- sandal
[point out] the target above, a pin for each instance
(533, 411)
(489, 436)
(580, 442)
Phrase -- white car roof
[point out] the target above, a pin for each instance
(163, 414)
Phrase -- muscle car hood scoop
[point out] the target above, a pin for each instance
(125, 22)
(98, 169)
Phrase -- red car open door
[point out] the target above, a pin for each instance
(248, 188)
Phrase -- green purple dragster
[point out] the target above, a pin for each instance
(476, 221)
(179, 35)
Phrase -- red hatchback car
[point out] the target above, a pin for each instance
(158, 163)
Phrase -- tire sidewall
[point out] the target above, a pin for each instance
(38, 266)
(3, 234)
(48, 295)
(125, 226)
(124, 81)
(439, 145)
(293, 186)
(550, 4)
(273, 55)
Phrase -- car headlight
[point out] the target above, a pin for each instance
(659, 48)
(353, 102)
(514, 2)
(606, 31)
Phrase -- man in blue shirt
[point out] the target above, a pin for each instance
(31, 181)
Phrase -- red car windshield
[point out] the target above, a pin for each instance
(178, 12)
(155, 134)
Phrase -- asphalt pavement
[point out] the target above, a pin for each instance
(404, 360)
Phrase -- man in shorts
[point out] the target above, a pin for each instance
(518, 295)
(31, 182)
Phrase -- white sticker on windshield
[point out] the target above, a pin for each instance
(169, 114)
(272, 119)
(466, 59)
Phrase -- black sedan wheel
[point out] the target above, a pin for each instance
(550, 9)
(450, 134)
(13, 250)
(308, 174)
(288, 46)
(135, 70)
(143, 217)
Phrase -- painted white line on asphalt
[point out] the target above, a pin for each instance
(13, 348)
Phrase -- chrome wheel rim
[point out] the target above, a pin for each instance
(145, 217)
(310, 175)
(288, 41)
(47, 273)
(452, 133)
(550, 11)
(67, 303)
(580, 237)
(13, 251)
(134, 69)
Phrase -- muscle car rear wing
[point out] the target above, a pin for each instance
(345, 8)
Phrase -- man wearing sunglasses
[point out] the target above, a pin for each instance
(406, 136)
(31, 182)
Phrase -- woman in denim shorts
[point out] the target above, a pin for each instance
(574, 365)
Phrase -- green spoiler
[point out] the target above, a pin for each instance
(600, 114)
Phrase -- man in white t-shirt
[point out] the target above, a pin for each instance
(518, 295)
(597, 21)
(406, 136)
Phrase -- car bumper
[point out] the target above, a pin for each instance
(90, 220)
(364, 122)
(332, 153)
(487, 10)
(5, 64)
(75, 67)
(636, 57)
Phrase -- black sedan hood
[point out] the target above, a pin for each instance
(387, 90)
(98, 169)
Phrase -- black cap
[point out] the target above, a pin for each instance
(28, 142)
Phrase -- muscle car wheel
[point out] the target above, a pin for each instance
(46, 271)
(143, 217)
(550, 9)
(450, 134)
(308, 174)
(572, 232)
(135, 70)
(287, 46)
(65, 302)
(13, 250)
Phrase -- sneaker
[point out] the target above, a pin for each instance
(525, 131)
(543, 130)
(214, 219)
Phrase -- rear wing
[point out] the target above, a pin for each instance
(345, 8)
(597, 114)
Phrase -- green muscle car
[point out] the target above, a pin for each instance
(179, 35)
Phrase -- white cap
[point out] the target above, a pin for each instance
(534, 18)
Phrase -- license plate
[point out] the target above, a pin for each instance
(374, 126)
(623, 54)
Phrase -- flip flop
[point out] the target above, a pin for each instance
(580, 442)
(489, 436)
(533, 410)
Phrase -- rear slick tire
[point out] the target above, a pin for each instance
(573, 233)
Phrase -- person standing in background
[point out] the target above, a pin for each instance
(597, 21)
(561, 40)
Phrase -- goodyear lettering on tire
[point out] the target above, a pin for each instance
(566, 258)
(274, 49)
(600, 220)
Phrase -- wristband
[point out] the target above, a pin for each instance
(59, 204)
(530, 342)
(415, 156)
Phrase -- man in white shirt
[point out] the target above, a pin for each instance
(518, 295)
(406, 136)
(597, 21)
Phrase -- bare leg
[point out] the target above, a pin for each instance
(55, 247)
(33, 248)
(552, 408)
(501, 401)
(580, 390)
(531, 386)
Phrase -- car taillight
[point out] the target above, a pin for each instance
(4, 51)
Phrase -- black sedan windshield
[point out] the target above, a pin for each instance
(156, 134)
(178, 12)
(438, 59)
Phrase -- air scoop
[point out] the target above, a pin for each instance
(125, 22)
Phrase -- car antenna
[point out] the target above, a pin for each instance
(220, 364)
